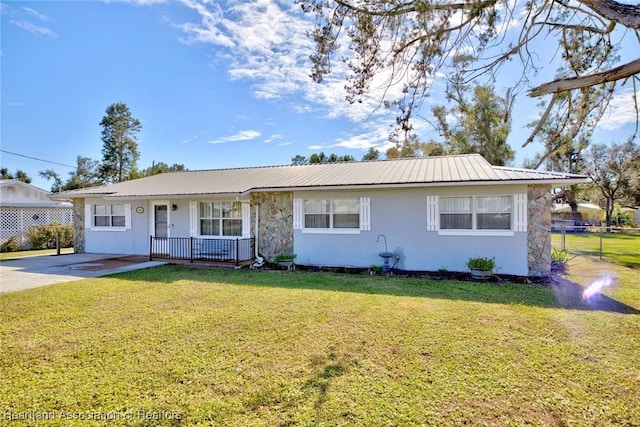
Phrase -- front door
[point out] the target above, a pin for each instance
(161, 222)
(160, 228)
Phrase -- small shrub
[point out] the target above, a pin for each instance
(481, 263)
(376, 269)
(10, 245)
(285, 257)
(44, 236)
(619, 218)
(559, 259)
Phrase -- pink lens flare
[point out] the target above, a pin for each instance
(597, 286)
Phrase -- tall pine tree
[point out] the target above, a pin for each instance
(120, 150)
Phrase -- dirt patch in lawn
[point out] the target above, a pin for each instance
(109, 263)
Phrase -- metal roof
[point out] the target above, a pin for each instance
(28, 196)
(470, 169)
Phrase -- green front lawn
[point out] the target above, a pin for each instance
(224, 347)
(623, 248)
(5, 256)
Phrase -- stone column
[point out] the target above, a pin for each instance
(78, 226)
(275, 223)
(539, 230)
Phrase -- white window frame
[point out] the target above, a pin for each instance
(474, 231)
(364, 216)
(90, 214)
(198, 225)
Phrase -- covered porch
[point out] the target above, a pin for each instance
(223, 252)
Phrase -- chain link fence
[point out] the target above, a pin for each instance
(619, 244)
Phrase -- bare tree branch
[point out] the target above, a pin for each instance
(625, 14)
(560, 85)
(541, 121)
(410, 44)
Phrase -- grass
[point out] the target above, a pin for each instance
(623, 248)
(224, 347)
(5, 256)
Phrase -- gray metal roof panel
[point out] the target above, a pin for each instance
(413, 171)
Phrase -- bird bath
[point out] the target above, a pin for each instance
(386, 255)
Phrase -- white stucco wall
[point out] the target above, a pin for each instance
(132, 241)
(401, 215)
(135, 240)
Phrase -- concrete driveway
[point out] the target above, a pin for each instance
(33, 272)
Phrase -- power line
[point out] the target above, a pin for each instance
(40, 160)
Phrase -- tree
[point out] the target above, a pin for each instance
(20, 175)
(611, 169)
(120, 147)
(414, 148)
(299, 160)
(318, 158)
(87, 174)
(632, 194)
(50, 174)
(412, 43)
(573, 115)
(332, 158)
(372, 154)
(162, 167)
(481, 125)
(565, 153)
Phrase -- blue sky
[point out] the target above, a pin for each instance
(214, 85)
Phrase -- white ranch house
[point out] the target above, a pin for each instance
(434, 212)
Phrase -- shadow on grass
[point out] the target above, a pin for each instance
(561, 293)
(321, 381)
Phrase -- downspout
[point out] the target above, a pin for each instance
(255, 230)
(259, 260)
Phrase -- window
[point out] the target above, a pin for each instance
(331, 214)
(456, 213)
(475, 213)
(317, 213)
(220, 219)
(493, 213)
(109, 216)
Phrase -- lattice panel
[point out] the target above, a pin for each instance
(16, 221)
(9, 223)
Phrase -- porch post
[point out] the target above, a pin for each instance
(237, 252)
(150, 248)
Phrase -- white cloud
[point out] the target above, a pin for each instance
(370, 135)
(35, 13)
(191, 138)
(206, 31)
(245, 135)
(265, 43)
(374, 135)
(34, 29)
(274, 137)
(621, 111)
(139, 2)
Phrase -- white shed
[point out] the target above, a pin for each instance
(24, 205)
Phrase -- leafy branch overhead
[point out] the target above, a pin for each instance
(413, 43)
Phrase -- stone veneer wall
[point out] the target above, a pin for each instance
(539, 230)
(275, 223)
(78, 226)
